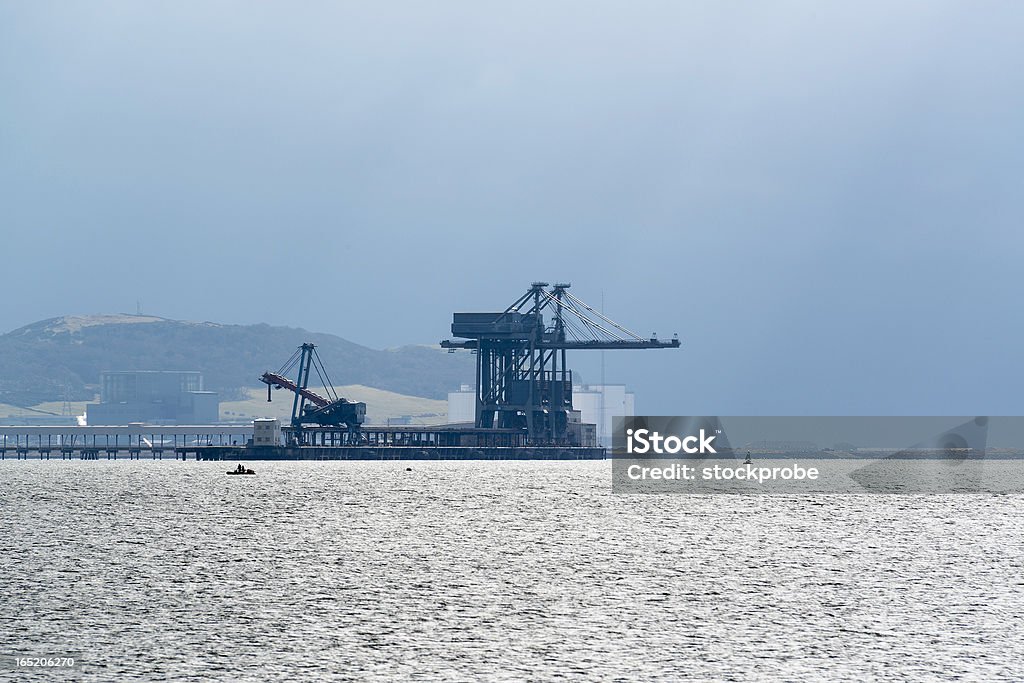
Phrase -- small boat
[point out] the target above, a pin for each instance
(241, 470)
(748, 461)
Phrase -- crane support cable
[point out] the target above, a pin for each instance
(588, 324)
(290, 363)
(589, 330)
(569, 304)
(604, 317)
(321, 372)
(574, 329)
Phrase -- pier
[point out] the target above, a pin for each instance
(235, 442)
(392, 453)
(112, 441)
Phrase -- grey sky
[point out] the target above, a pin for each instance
(823, 200)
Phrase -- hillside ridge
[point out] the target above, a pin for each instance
(62, 358)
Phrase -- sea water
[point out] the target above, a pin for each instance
(171, 570)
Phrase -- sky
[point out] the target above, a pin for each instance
(824, 200)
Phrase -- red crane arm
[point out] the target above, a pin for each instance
(272, 378)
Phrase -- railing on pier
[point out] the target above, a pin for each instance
(131, 441)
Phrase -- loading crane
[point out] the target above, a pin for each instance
(522, 381)
(309, 407)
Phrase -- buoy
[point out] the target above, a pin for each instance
(408, 469)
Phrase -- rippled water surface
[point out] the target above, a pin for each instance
(494, 570)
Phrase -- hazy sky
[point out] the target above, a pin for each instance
(824, 200)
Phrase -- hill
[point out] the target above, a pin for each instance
(63, 357)
(381, 406)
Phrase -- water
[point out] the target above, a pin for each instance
(493, 570)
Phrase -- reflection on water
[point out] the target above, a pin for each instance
(461, 570)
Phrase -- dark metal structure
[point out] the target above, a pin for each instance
(308, 406)
(522, 380)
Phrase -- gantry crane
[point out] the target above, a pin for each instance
(522, 381)
(308, 406)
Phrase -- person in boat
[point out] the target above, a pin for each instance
(239, 469)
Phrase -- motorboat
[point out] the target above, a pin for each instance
(241, 470)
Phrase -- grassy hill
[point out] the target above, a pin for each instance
(63, 357)
(39, 412)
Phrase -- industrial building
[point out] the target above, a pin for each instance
(153, 397)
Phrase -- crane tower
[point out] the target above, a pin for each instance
(522, 380)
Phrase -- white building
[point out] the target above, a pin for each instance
(266, 432)
(601, 404)
(462, 405)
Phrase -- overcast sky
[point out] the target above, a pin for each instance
(824, 200)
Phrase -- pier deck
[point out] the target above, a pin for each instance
(390, 453)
